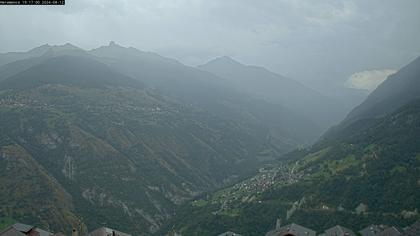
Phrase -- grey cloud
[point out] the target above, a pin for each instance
(369, 79)
(319, 42)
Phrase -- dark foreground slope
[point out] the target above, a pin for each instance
(27, 185)
(81, 140)
(364, 171)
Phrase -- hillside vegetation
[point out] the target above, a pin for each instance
(366, 170)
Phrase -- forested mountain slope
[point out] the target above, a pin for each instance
(362, 172)
(109, 149)
(396, 91)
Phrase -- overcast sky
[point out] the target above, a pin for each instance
(313, 41)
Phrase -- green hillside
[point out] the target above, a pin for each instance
(364, 171)
(104, 149)
(143, 151)
(370, 176)
(29, 193)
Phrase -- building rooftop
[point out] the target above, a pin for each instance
(390, 231)
(43, 232)
(229, 233)
(24, 228)
(104, 231)
(372, 230)
(20, 229)
(292, 230)
(339, 230)
(413, 230)
(10, 231)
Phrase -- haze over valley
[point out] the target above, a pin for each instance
(181, 118)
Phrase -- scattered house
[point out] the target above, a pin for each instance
(413, 230)
(291, 230)
(10, 231)
(338, 231)
(104, 231)
(20, 229)
(42, 232)
(229, 233)
(361, 208)
(372, 230)
(379, 230)
(390, 231)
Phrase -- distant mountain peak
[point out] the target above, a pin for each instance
(47, 49)
(43, 47)
(226, 58)
(65, 49)
(114, 49)
(114, 44)
(223, 60)
(67, 46)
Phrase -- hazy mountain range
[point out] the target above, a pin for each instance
(364, 171)
(122, 137)
(278, 89)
